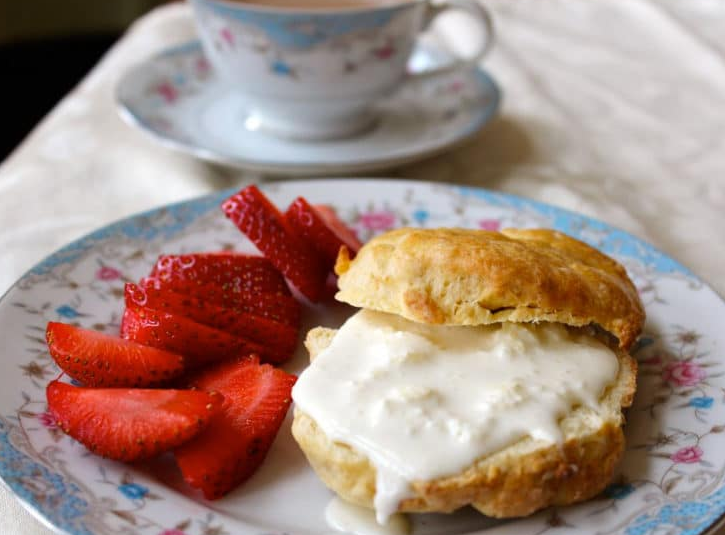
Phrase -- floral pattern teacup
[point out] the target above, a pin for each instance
(316, 73)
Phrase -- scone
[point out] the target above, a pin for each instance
(485, 368)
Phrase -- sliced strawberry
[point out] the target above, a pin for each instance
(129, 424)
(321, 228)
(279, 339)
(97, 359)
(245, 272)
(256, 399)
(199, 343)
(345, 233)
(267, 228)
(281, 308)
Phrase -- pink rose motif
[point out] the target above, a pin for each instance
(377, 220)
(456, 87)
(384, 52)
(489, 224)
(688, 455)
(167, 91)
(683, 373)
(47, 420)
(227, 35)
(107, 274)
(172, 532)
(202, 65)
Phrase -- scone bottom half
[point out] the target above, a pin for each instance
(475, 277)
(513, 482)
(457, 276)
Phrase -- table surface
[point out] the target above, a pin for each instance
(612, 108)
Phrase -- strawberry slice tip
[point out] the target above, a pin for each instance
(98, 359)
(344, 232)
(130, 424)
(322, 229)
(256, 399)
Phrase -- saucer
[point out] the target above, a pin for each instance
(177, 98)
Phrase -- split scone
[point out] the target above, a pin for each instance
(485, 368)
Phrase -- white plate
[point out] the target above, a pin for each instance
(177, 98)
(673, 470)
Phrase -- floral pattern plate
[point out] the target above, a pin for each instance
(177, 98)
(672, 479)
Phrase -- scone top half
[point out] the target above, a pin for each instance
(476, 277)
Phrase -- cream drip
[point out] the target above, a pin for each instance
(349, 518)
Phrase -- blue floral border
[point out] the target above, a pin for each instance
(61, 506)
(691, 517)
(617, 242)
(138, 226)
(184, 213)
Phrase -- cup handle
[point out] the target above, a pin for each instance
(480, 13)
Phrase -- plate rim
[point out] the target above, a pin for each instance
(213, 196)
(87, 240)
(291, 169)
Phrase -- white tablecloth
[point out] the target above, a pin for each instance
(613, 108)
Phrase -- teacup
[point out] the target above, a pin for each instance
(313, 69)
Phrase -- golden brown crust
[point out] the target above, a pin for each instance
(514, 486)
(516, 481)
(472, 277)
